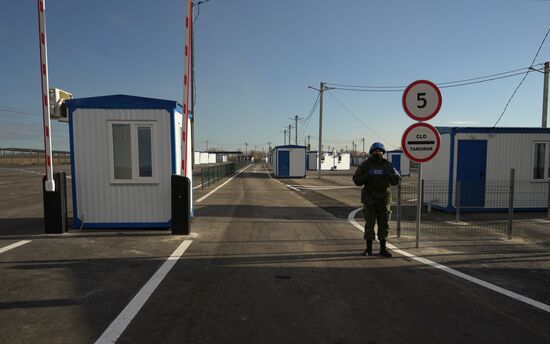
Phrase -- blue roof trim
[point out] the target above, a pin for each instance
(491, 130)
(289, 146)
(122, 101)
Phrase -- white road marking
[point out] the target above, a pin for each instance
(14, 245)
(198, 186)
(529, 301)
(113, 332)
(216, 189)
(292, 187)
(26, 171)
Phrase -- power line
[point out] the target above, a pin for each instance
(523, 79)
(308, 118)
(446, 84)
(358, 120)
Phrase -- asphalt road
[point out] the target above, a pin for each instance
(267, 263)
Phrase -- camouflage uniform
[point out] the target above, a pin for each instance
(376, 175)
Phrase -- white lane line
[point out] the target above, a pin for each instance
(26, 171)
(529, 301)
(198, 186)
(12, 246)
(292, 187)
(113, 332)
(216, 189)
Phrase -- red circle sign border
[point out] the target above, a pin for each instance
(408, 89)
(408, 130)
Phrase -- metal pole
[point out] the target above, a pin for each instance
(511, 203)
(50, 183)
(548, 205)
(296, 128)
(289, 131)
(398, 210)
(321, 89)
(284, 142)
(545, 95)
(419, 205)
(192, 29)
(457, 201)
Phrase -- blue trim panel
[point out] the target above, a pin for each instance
(173, 139)
(451, 168)
(486, 210)
(76, 220)
(105, 225)
(490, 130)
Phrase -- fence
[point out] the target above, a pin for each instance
(213, 174)
(474, 209)
(28, 157)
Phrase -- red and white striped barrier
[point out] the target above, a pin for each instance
(50, 183)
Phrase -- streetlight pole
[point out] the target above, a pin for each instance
(545, 95)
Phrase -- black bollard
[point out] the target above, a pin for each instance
(181, 205)
(55, 205)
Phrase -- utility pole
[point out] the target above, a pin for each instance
(245, 150)
(321, 89)
(308, 137)
(289, 127)
(545, 95)
(296, 128)
(207, 145)
(363, 147)
(284, 141)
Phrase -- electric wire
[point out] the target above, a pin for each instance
(522, 80)
(308, 118)
(358, 120)
(455, 83)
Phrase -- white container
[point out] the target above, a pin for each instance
(482, 158)
(289, 161)
(124, 150)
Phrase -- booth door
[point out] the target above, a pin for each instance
(396, 162)
(283, 162)
(471, 172)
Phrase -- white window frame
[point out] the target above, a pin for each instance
(136, 179)
(546, 168)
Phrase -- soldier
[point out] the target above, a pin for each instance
(375, 175)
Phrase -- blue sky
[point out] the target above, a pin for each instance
(255, 59)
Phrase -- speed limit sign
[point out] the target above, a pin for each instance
(422, 100)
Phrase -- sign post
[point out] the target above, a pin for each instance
(420, 142)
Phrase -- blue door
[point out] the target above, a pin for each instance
(471, 170)
(283, 162)
(396, 162)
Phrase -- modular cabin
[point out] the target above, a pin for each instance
(289, 161)
(481, 159)
(330, 161)
(400, 162)
(124, 150)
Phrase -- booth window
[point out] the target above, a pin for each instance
(541, 160)
(132, 152)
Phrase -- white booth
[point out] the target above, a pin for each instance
(481, 159)
(289, 161)
(124, 150)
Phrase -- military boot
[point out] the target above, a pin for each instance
(383, 251)
(368, 250)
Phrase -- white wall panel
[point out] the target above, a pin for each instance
(98, 200)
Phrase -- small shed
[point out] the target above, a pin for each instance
(481, 159)
(400, 162)
(124, 150)
(330, 161)
(289, 161)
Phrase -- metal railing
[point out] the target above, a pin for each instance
(212, 174)
(476, 209)
(28, 157)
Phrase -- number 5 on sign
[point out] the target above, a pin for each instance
(422, 100)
